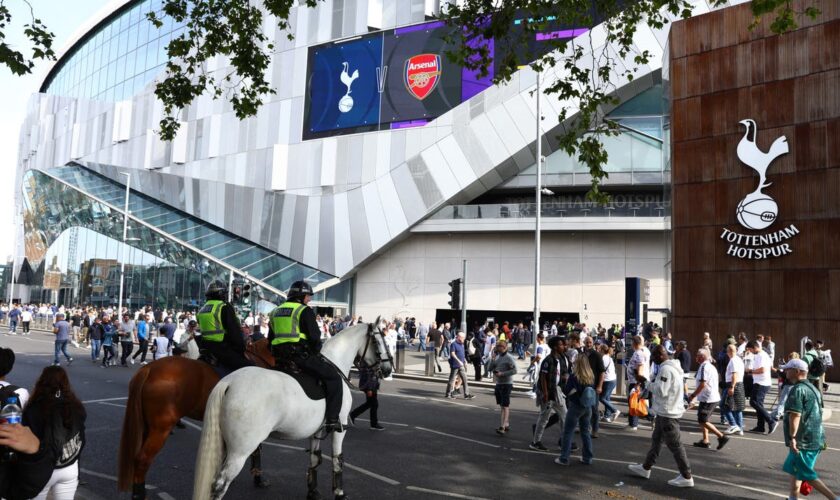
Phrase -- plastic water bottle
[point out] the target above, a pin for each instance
(10, 414)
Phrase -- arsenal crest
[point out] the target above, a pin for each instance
(422, 73)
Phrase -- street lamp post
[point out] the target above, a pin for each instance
(538, 219)
(124, 244)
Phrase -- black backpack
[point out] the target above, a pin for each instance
(816, 368)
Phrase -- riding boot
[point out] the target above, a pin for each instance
(333, 425)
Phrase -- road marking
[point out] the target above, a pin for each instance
(111, 404)
(384, 422)
(443, 493)
(442, 400)
(704, 478)
(458, 437)
(287, 446)
(110, 478)
(374, 475)
(190, 424)
(759, 440)
(165, 496)
(104, 400)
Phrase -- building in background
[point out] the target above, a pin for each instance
(376, 168)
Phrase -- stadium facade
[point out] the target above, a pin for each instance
(375, 169)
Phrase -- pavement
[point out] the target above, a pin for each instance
(432, 448)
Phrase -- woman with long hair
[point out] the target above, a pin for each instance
(57, 417)
(580, 398)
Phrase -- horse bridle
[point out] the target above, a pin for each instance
(374, 332)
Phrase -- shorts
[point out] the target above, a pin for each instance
(704, 412)
(801, 465)
(503, 394)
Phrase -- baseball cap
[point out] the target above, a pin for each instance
(795, 364)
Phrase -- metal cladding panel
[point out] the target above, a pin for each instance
(299, 230)
(358, 225)
(326, 240)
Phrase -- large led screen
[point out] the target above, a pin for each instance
(400, 78)
(421, 83)
(343, 88)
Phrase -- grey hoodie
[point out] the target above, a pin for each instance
(667, 390)
(506, 366)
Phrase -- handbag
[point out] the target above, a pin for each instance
(638, 404)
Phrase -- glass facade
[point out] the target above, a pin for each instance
(74, 242)
(119, 58)
(637, 150)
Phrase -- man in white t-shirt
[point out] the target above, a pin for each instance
(707, 394)
(760, 370)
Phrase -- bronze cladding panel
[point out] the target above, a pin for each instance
(721, 73)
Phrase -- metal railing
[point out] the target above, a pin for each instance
(552, 209)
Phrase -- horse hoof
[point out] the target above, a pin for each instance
(341, 497)
(259, 482)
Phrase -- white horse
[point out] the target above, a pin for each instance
(239, 416)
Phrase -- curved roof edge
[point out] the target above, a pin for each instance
(81, 35)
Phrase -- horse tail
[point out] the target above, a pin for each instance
(133, 431)
(211, 448)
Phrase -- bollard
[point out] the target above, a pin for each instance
(430, 361)
(400, 360)
(621, 380)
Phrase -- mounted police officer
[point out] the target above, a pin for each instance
(220, 333)
(294, 336)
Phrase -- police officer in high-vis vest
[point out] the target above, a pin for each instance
(219, 331)
(294, 336)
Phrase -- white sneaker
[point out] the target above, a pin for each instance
(132, 360)
(740, 431)
(638, 470)
(615, 416)
(75, 344)
(732, 429)
(681, 482)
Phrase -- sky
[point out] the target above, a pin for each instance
(63, 18)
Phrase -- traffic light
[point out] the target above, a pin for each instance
(455, 294)
(246, 294)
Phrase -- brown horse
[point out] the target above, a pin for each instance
(159, 395)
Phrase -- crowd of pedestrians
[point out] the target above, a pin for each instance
(572, 369)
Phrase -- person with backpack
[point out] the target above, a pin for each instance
(580, 399)
(57, 417)
(816, 366)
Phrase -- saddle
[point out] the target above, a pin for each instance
(312, 386)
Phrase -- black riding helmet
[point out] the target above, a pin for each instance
(299, 289)
(216, 291)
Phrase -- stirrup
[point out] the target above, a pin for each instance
(333, 427)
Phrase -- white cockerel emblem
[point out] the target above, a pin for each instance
(757, 210)
(345, 104)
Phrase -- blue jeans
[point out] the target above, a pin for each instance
(422, 347)
(579, 416)
(95, 346)
(61, 346)
(757, 402)
(13, 325)
(606, 394)
(520, 350)
(735, 418)
(783, 395)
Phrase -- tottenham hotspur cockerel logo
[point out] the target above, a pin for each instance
(758, 210)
